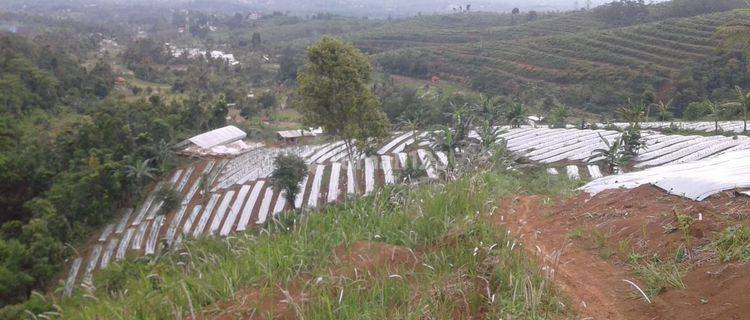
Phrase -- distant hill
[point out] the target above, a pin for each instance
(578, 59)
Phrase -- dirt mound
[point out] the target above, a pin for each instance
(284, 301)
(711, 292)
(279, 302)
(372, 258)
(589, 241)
(653, 222)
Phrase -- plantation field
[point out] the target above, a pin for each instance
(592, 63)
(470, 28)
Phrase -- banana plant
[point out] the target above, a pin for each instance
(633, 113)
(663, 109)
(743, 103)
(487, 134)
(516, 115)
(446, 141)
(560, 116)
(613, 155)
(715, 110)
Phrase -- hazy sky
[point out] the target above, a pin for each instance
(407, 7)
(371, 8)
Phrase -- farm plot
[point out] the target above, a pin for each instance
(226, 206)
(249, 206)
(695, 180)
(333, 183)
(265, 206)
(555, 145)
(235, 210)
(702, 126)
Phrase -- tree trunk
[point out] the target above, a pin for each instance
(290, 199)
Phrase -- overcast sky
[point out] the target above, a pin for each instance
(370, 8)
(410, 7)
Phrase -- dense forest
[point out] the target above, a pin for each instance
(94, 99)
(72, 154)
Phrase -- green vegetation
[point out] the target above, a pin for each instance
(423, 219)
(743, 104)
(733, 244)
(334, 93)
(85, 128)
(70, 159)
(288, 172)
(613, 155)
(660, 276)
(595, 69)
(412, 172)
(576, 234)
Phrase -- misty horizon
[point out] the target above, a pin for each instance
(359, 8)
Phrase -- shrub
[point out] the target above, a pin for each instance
(695, 111)
(289, 172)
(411, 171)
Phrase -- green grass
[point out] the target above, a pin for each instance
(733, 244)
(659, 276)
(576, 234)
(459, 277)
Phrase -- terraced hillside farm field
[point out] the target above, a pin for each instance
(238, 194)
(647, 54)
(473, 28)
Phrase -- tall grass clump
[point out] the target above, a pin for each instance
(477, 273)
(733, 244)
(660, 276)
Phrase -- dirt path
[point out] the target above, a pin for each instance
(595, 285)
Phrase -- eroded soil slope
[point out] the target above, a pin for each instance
(664, 244)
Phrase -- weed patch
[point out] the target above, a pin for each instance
(659, 276)
(733, 244)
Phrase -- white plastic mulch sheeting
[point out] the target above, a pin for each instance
(695, 180)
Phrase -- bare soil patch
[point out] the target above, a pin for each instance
(587, 242)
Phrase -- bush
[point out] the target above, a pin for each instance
(170, 197)
(412, 172)
(288, 174)
(696, 111)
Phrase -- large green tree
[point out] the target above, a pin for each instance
(335, 93)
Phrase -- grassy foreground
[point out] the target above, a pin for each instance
(468, 267)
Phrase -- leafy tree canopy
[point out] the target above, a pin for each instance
(335, 92)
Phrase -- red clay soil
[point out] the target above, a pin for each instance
(283, 301)
(640, 220)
